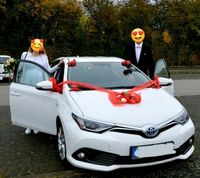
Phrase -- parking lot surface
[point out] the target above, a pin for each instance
(35, 156)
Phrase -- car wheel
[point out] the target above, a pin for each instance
(61, 143)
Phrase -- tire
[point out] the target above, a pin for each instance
(61, 144)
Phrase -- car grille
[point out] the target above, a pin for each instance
(109, 159)
(141, 132)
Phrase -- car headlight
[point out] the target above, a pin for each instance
(91, 126)
(182, 118)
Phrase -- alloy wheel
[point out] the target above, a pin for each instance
(61, 143)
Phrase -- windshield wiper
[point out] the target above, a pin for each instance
(80, 88)
(120, 87)
(116, 87)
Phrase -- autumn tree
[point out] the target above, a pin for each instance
(178, 23)
(103, 27)
(135, 13)
(52, 20)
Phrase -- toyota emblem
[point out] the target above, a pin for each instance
(151, 131)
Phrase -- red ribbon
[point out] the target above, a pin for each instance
(116, 98)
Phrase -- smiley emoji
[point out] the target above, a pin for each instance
(37, 45)
(137, 35)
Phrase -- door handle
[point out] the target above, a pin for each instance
(14, 93)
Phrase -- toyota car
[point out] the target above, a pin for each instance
(105, 112)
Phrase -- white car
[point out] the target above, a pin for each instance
(3, 74)
(95, 133)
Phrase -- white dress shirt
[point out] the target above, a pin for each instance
(138, 48)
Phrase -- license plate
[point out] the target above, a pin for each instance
(152, 150)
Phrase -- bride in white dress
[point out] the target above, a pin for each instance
(36, 53)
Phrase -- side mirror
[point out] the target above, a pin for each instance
(165, 81)
(44, 85)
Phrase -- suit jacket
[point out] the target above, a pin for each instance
(146, 63)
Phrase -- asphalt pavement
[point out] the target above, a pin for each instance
(35, 156)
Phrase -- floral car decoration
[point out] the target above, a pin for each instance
(126, 63)
(9, 65)
(72, 63)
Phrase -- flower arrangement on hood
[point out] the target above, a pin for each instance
(9, 65)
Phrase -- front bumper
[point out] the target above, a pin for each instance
(110, 150)
(109, 159)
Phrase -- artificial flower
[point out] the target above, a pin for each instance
(72, 63)
(126, 63)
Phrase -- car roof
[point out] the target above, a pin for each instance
(4, 56)
(94, 59)
(7, 56)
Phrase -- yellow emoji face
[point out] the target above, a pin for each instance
(37, 45)
(137, 35)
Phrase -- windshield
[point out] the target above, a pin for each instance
(112, 75)
(3, 59)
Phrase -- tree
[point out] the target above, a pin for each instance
(52, 20)
(103, 26)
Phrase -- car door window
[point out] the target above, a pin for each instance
(161, 69)
(30, 73)
(59, 74)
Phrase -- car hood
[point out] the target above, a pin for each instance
(156, 107)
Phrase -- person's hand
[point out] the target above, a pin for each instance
(61, 61)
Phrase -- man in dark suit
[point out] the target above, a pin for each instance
(139, 53)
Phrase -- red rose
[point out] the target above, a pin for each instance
(72, 63)
(126, 63)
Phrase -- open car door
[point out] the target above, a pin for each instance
(162, 71)
(30, 107)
